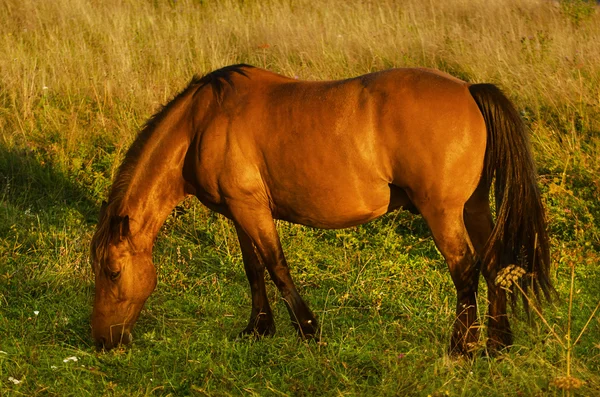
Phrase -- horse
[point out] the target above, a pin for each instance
(256, 146)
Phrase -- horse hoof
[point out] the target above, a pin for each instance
(308, 330)
(458, 353)
(494, 349)
(258, 329)
(463, 350)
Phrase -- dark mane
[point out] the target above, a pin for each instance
(217, 80)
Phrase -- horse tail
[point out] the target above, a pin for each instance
(519, 236)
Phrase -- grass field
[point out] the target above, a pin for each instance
(79, 78)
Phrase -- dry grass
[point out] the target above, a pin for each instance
(145, 50)
(77, 80)
(99, 68)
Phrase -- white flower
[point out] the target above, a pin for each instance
(53, 367)
(36, 312)
(13, 380)
(73, 358)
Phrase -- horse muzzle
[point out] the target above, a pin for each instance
(114, 337)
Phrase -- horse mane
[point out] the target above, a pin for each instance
(217, 80)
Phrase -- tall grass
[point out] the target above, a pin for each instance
(78, 79)
(99, 68)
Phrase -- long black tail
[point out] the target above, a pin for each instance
(519, 236)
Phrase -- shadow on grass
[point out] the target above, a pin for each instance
(29, 185)
(44, 217)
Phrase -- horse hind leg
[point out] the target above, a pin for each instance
(259, 226)
(452, 240)
(479, 222)
(261, 317)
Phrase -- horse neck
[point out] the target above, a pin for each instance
(155, 181)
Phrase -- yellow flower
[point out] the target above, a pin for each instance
(567, 383)
(509, 275)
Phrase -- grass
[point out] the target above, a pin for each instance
(79, 78)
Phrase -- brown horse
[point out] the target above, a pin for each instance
(256, 146)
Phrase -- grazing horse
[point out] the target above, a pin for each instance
(256, 146)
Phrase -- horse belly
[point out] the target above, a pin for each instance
(339, 208)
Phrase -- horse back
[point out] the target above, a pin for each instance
(337, 153)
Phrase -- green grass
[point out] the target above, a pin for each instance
(79, 78)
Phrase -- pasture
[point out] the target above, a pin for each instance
(78, 80)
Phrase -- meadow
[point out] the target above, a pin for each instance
(78, 79)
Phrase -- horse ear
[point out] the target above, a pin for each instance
(125, 227)
(119, 227)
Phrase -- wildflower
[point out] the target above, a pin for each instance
(73, 358)
(567, 383)
(510, 274)
(13, 380)
(36, 312)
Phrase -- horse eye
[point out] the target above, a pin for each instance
(114, 275)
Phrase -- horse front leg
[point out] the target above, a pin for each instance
(259, 226)
(261, 318)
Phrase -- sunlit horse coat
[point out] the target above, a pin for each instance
(256, 146)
